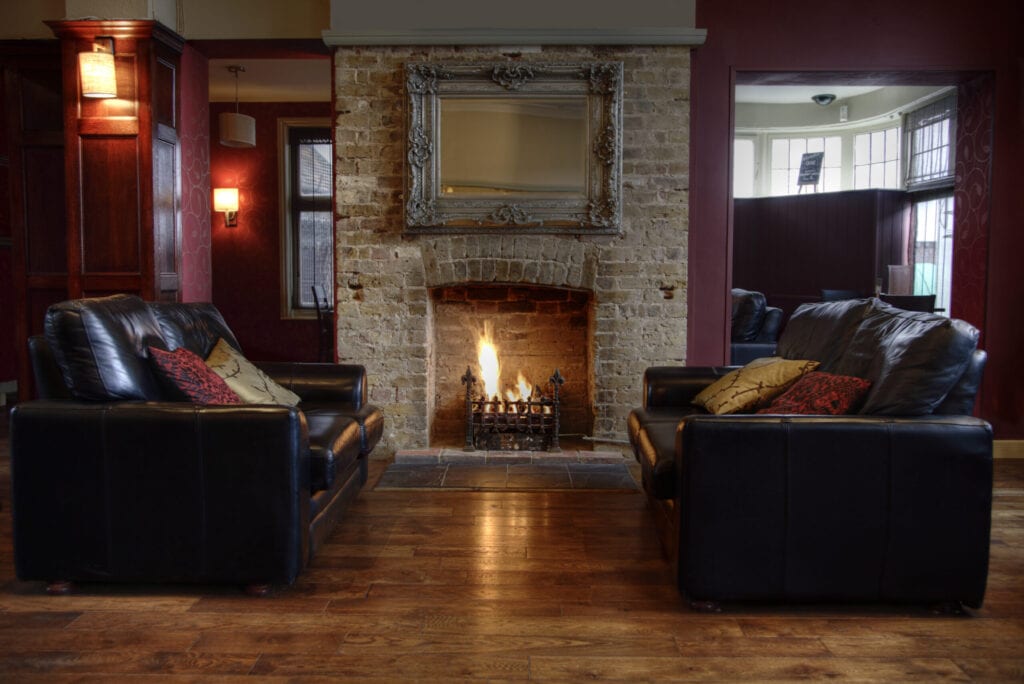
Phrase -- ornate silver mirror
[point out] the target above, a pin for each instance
(532, 147)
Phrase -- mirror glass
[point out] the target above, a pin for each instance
(534, 148)
(526, 147)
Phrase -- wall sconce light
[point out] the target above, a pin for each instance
(96, 70)
(237, 130)
(226, 200)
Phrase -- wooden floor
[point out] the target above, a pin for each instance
(499, 586)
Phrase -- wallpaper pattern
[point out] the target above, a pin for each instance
(971, 199)
(194, 131)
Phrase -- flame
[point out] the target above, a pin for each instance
(525, 389)
(487, 356)
(490, 371)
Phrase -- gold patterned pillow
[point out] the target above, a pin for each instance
(753, 386)
(249, 382)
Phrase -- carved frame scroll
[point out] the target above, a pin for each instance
(597, 211)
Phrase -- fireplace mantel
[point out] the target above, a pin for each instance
(661, 35)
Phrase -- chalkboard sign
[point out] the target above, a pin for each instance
(810, 168)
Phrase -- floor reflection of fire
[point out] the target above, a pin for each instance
(523, 418)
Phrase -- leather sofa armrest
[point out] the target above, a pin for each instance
(159, 491)
(321, 382)
(769, 332)
(677, 385)
(845, 507)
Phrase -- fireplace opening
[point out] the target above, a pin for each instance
(534, 331)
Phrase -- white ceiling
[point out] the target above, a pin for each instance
(795, 94)
(271, 80)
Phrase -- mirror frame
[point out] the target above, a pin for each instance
(428, 211)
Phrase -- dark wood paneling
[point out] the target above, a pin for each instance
(792, 247)
(110, 205)
(164, 92)
(44, 218)
(33, 192)
(40, 104)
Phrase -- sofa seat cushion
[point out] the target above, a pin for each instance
(100, 345)
(912, 359)
(333, 447)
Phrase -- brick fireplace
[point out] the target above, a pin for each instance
(536, 330)
(399, 296)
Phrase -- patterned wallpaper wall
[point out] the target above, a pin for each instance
(972, 200)
(194, 131)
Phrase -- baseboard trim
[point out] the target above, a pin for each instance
(1008, 448)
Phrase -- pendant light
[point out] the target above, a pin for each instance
(237, 130)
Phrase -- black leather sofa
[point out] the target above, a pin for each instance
(888, 505)
(116, 479)
(755, 326)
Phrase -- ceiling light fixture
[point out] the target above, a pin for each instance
(823, 99)
(237, 130)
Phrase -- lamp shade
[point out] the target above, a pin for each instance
(97, 73)
(237, 130)
(225, 199)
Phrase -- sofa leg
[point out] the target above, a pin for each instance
(258, 590)
(949, 608)
(59, 588)
(706, 606)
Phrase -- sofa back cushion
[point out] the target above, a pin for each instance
(820, 331)
(100, 345)
(748, 309)
(196, 326)
(912, 359)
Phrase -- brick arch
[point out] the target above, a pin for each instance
(533, 260)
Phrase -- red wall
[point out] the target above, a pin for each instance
(247, 258)
(877, 35)
(194, 136)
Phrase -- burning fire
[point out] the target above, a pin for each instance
(490, 371)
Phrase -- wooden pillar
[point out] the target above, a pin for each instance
(122, 163)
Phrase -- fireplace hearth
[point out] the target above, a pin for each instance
(527, 422)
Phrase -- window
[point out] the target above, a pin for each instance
(876, 159)
(743, 168)
(308, 237)
(786, 154)
(933, 248)
(930, 132)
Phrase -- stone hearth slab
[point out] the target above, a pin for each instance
(481, 457)
(509, 477)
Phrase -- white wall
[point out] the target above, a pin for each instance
(194, 19)
(462, 14)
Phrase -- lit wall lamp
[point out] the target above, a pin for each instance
(226, 200)
(96, 69)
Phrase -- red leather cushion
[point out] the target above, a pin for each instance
(820, 393)
(192, 376)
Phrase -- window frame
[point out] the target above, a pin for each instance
(805, 135)
(289, 267)
(938, 182)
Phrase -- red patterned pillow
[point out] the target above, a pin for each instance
(821, 393)
(190, 374)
